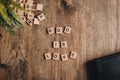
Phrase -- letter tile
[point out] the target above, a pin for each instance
(47, 56)
(67, 30)
(73, 55)
(64, 57)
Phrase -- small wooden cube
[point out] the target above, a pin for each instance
(39, 7)
(59, 30)
(56, 56)
(73, 55)
(50, 30)
(64, 44)
(29, 22)
(56, 44)
(47, 56)
(36, 21)
(30, 15)
(64, 57)
(41, 17)
(28, 6)
(67, 30)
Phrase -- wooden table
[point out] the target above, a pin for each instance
(95, 32)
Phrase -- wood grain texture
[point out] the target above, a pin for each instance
(95, 33)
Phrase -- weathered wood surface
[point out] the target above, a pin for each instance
(95, 32)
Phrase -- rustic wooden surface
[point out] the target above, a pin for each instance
(95, 33)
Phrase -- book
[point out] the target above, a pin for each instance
(104, 68)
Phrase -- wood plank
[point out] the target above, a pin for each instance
(94, 33)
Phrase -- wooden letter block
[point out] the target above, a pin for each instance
(50, 30)
(73, 55)
(56, 44)
(41, 17)
(47, 56)
(36, 21)
(28, 7)
(67, 30)
(64, 44)
(29, 22)
(40, 7)
(59, 30)
(64, 57)
(56, 56)
(30, 15)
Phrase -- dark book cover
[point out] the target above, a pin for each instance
(104, 68)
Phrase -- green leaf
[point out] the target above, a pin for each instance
(6, 26)
(14, 16)
(8, 17)
(3, 13)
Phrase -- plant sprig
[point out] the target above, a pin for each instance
(8, 17)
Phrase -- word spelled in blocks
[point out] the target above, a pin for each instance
(36, 21)
(63, 44)
(73, 55)
(56, 56)
(59, 30)
(47, 56)
(50, 30)
(67, 30)
(64, 57)
(41, 17)
(56, 44)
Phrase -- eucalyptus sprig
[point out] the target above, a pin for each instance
(8, 17)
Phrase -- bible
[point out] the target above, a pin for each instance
(104, 68)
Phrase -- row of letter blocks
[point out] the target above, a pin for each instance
(63, 57)
(58, 30)
(62, 44)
